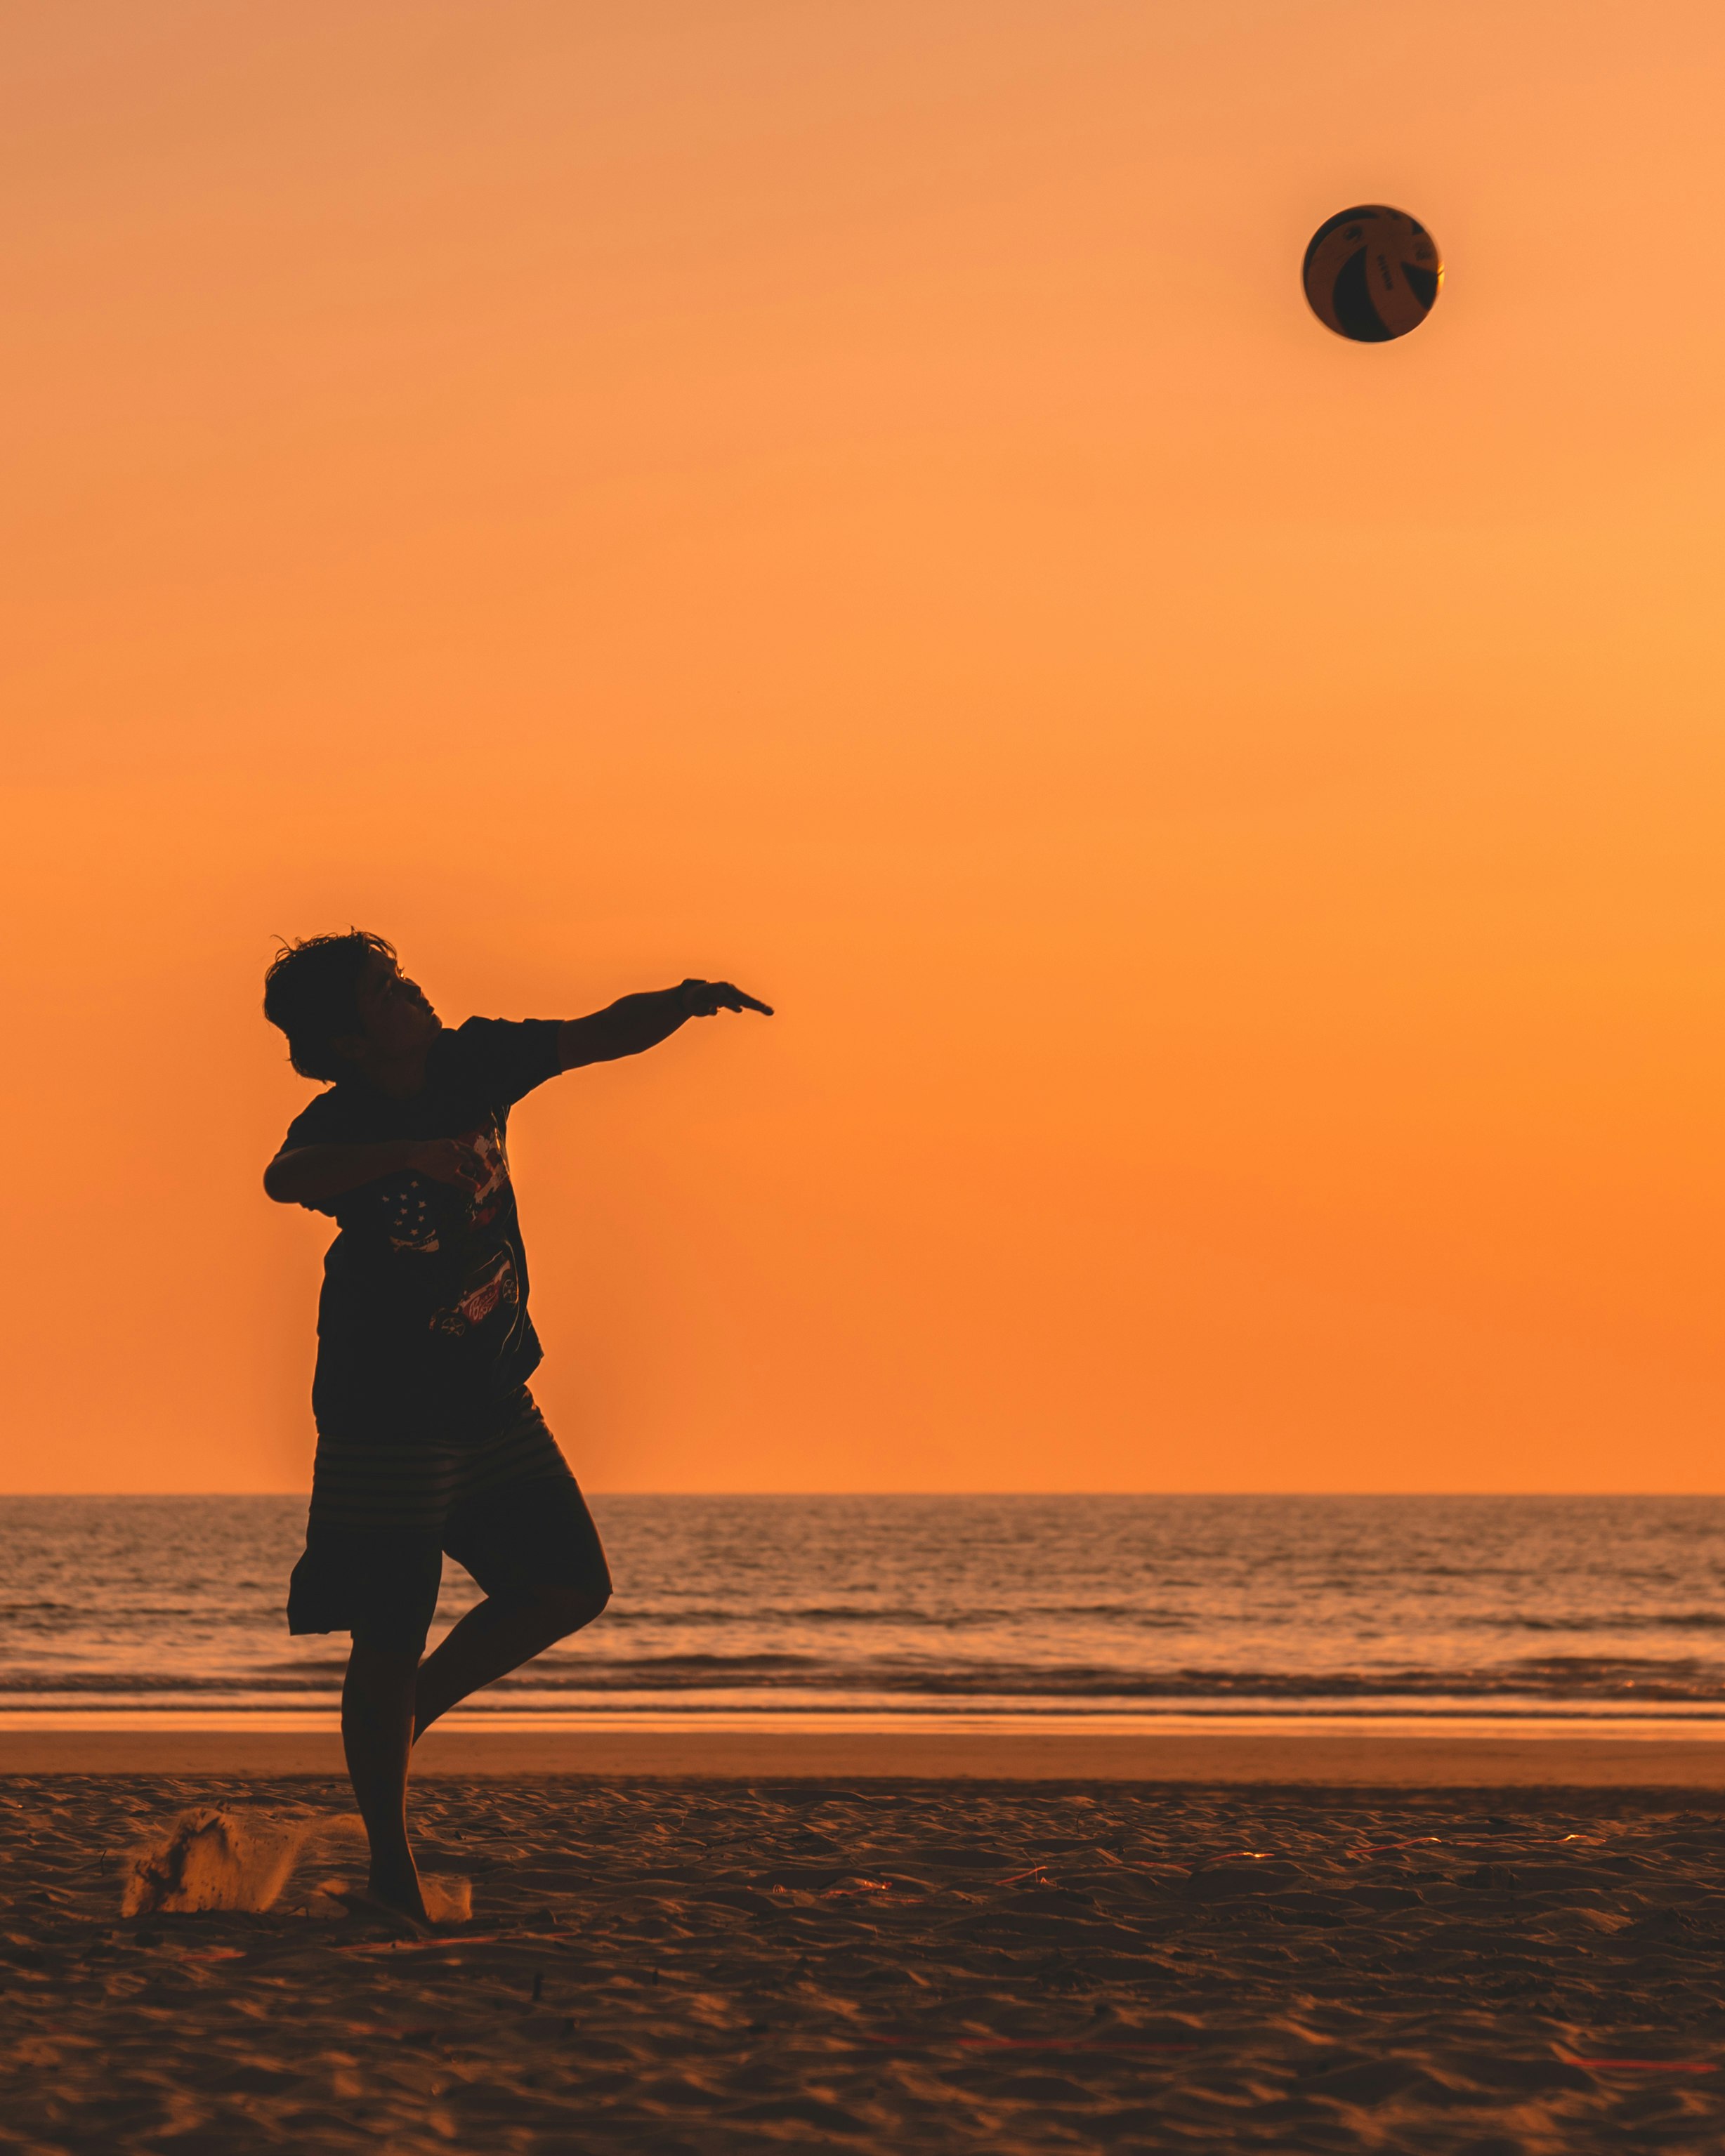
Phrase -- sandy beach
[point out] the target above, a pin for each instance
(1430, 1760)
(731, 1961)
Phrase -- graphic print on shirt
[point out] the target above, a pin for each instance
(488, 1144)
(411, 1223)
(490, 1282)
(490, 1276)
(410, 1226)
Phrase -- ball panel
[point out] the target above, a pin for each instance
(1423, 283)
(1326, 260)
(1393, 299)
(1350, 300)
(1361, 214)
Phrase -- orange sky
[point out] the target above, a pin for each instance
(849, 497)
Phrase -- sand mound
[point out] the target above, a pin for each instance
(215, 1859)
(223, 1860)
(448, 1900)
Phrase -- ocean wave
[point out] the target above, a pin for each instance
(938, 1615)
(1550, 1680)
(1606, 1621)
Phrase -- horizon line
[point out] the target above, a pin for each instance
(1409, 1495)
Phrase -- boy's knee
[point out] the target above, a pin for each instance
(383, 1659)
(566, 1609)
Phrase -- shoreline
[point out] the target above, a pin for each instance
(1281, 1759)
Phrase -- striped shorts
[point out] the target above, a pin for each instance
(383, 1516)
(415, 1487)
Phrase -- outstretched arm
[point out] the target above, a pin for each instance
(634, 1023)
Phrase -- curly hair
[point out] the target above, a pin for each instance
(309, 991)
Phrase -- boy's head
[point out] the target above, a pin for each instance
(343, 1001)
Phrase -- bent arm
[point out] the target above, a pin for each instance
(312, 1175)
(634, 1023)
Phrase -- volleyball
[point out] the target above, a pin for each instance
(1372, 274)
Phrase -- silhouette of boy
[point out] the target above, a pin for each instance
(428, 1439)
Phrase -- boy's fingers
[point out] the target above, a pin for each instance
(701, 998)
(452, 1162)
(733, 999)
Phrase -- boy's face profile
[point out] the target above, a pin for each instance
(394, 1013)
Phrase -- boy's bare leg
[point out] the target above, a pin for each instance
(493, 1638)
(378, 1735)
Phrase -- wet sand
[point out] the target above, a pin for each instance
(1355, 1760)
(992, 1964)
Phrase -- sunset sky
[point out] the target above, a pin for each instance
(846, 495)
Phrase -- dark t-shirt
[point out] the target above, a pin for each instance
(423, 1330)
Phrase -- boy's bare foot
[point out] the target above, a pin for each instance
(392, 1887)
(366, 1901)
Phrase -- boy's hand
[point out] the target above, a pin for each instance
(447, 1160)
(702, 999)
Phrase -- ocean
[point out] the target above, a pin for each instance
(1074, 1612)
